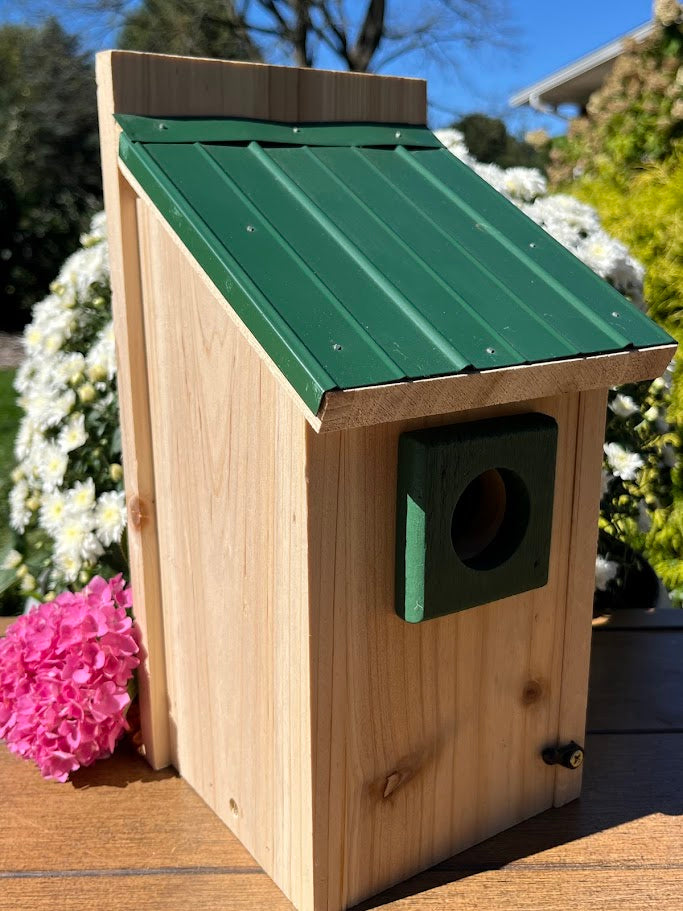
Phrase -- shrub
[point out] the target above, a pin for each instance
(67, 502)
(637, 114)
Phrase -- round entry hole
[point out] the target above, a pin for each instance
(490, 518)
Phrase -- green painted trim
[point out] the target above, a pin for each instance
(300, 368)
(435, 469)
(231, 130)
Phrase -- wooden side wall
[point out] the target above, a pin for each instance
(229, 462)
(427, 738)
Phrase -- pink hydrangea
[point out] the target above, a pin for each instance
(64, 673)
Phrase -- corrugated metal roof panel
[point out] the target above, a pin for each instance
(365, 254)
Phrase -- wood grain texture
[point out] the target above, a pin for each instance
(164, 85)
(542, 890)
(88, 845)
(585, 507)
(136, 433)
(426, 737)
(232, 536)
(345, 409)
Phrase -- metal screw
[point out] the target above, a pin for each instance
(616, 314)
(295, 129)
(398, 134)
(163, 126)
(570, 756)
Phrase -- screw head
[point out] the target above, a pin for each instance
(575, 759)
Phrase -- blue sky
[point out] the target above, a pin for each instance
(549, 35)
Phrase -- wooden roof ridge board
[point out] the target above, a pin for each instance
(363, 257)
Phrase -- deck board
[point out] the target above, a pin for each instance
(120, 836)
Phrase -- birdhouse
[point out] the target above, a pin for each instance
(362, 402)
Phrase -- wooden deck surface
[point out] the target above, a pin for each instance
(123, 838)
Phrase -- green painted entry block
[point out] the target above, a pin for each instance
(474, 513)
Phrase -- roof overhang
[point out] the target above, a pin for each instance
(575, 83)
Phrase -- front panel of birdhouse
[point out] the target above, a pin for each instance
(428, 735)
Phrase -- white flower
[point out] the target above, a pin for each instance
(605, 572)
(53, 464)
(524, 183)
(75, 538)
(53, 512)
(624, 464)
(74, 434)
(623, 406)
(101, 359)
(110, 517)
(69, 565)
(12, 560)
(81, 497)
(20, 514)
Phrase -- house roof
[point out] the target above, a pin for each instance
(365, 254)
(576, 82)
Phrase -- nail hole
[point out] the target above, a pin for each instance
(234, 809)
(337, 347)
(532, 245)
(251, 229)
(398, 134)
(295, 129)
(616, 313)
(163, 126)
(490, 350)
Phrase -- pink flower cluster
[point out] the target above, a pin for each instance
(64, 673)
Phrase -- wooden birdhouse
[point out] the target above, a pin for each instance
(363, 402)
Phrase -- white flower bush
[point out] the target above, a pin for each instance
(67, 503)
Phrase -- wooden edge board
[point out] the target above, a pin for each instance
(166, 85)
(583, 544)
(367, 405)
(136, 433)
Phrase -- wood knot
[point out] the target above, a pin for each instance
(395, 780)
(532, 692)
(136, 512)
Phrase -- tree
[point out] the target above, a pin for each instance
(361, 36)
(192, 29)
(49, 159)
(488, 140)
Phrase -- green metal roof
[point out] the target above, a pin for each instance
(360, 254)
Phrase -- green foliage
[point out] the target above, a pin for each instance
(644, 209)
(203, 28)
(49, 160)
(488, 140)
(635, 117)
(9, 422)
